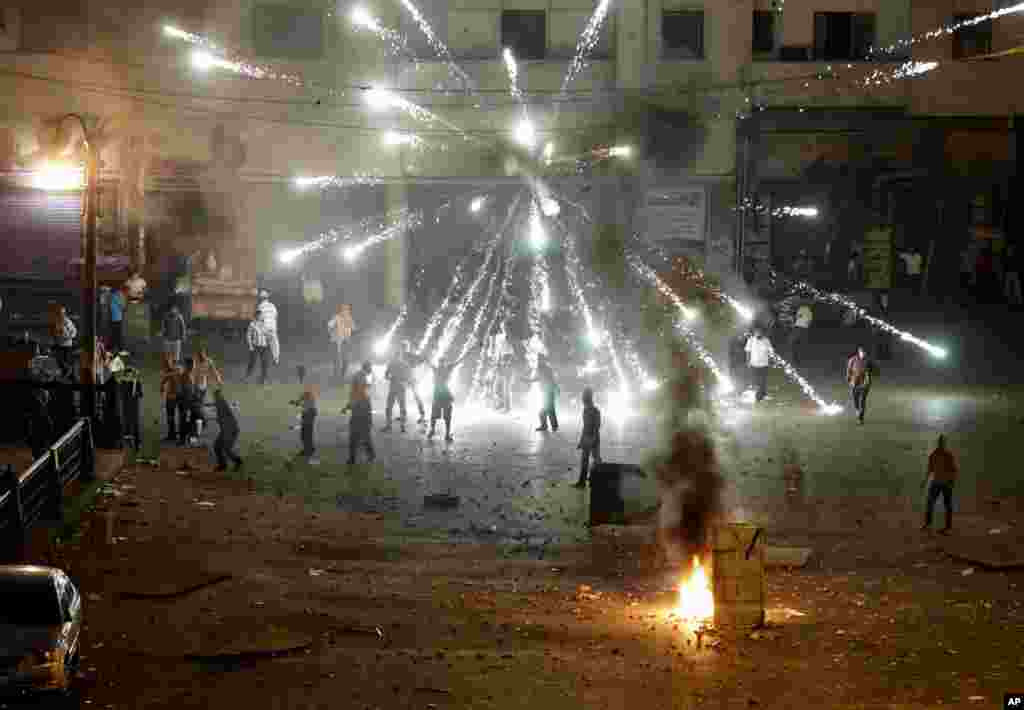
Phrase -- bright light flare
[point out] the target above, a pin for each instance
(382, 346)
(350, 254)
(381, 99)
(57, 177)
(620, 151)
(744, 312)
(177, 34)
(393, 138)
(696, 606)
(535, 399)
(549, 152)
(550, 207)
(425, 383)
(361, 17)
(725, 386)
(477, 204)
(526, 134)
(538, 237)
(545, 297)
(651, 385)
(288, 256)
(619, 404)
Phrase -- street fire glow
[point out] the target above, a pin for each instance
(696, 607)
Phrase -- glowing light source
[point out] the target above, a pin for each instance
(550, 207)
(288, 256)
(620, 151)
(58, 177)
(549, 151)
(526, 134)
(651, 385)
(350, 254)
(381, 347)
(381, 99)
(538, 237)
(746, 313)
(393, 138)
(535, 399)
(696, 605)
(325, 181)
(619, 402)
(361, 17)
(477, 204)
(202, 60)
(176, 33)
(545, 297)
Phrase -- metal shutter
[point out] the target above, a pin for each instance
(39, 231)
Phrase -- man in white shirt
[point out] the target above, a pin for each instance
(759, 357)
(915, 267)
(266, 313)
(798, 335)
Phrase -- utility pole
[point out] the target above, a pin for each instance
(89, 287)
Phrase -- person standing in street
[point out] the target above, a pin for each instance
(443, 399)
(224, 444)
(174, 332)
(915, 268)
(206, 370)
(308, 402)
(414, 362)
(860, 373)
(117, 304)
(170, 379)
(266, 313)
(590, 437)
(259, 348)
(1011, 282)
(398, 375)
(940, 479)
(339, 329)
(64, 333)
(549, 390)
(798, 335)
(360, 426)
(759, 357)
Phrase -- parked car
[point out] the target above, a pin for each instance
(40, 629)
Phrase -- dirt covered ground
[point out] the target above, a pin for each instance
(202, 578)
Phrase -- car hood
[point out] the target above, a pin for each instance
(21, 640)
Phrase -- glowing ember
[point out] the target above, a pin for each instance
(696, 606)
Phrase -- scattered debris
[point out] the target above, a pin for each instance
(315, 572)
(967, 572)
(205, 504)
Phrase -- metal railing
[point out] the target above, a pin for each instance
(37, 494)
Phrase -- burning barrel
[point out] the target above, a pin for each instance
(737, 576)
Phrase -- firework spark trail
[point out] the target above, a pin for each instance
(513, 74)
(439, 47)
(725, 384)
(587, 41)
(455, 321)
(337, 181)
(411, 221)
(384, 343)
(851, 305)
(474, 332)
(499, 311)
(435, 320)
(212, 55)
(401, 219)
(398, 43)
(950, 29)
(805, 386)
(381, 98)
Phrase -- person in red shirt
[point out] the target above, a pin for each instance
(860, 372)
(941, 476)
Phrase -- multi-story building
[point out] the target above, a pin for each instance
(748, 102)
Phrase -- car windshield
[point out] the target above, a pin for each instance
(29, 602)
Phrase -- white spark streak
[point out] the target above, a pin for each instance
(384, 343)
(437, 45)
(210, 55)
(851, 305)
(411, 220)
(381, 229)
(338, 181)
(393, 138)
(951, 28)
(586, 43)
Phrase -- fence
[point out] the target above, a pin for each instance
(38, 493)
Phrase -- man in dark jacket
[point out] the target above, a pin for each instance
(224, 445)
(860, 373)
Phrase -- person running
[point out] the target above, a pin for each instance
(759, 358)
(549, 390)
(170, 381)
(266, 314)
(940, 478)
(360, 426)
(174, 331)
(224, 445)
(443, 399)
(259, 348)
(590, 438)
(308, 401)
(860, 372)
(339, 329)
(398, 375)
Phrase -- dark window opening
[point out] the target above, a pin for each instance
(525, 33)
(284, 32)
(682, 34)
(972, 40)
(764, 31)
(843, 35)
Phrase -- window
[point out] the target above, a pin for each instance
(843, 35)
(682, 34)
(525, 33)
(285, 32)
(764, 31)
(972, 40)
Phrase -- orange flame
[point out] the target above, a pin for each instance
(696, 603)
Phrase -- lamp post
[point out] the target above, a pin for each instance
(89, 287)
